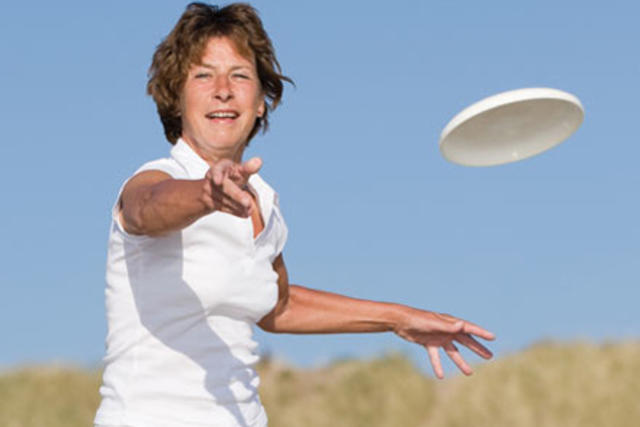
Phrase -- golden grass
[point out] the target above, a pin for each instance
(53, 396)
(550, 384)
(382, 392)
(547, 385)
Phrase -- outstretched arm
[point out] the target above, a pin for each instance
(153, 203)
(306, 311)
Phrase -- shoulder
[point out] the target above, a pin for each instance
(152, 172)
(167, 165)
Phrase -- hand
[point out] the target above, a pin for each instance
(435, 330)
(226, 186)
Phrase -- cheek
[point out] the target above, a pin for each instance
(189, 114)
(192, 104)
(252, 96)
(190, 101)
(257, 103)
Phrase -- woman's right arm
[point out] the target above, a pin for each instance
(153, 203)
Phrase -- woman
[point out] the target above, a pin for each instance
(195, 249)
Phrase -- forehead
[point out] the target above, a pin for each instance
(226, 50)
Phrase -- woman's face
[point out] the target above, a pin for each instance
(220, 101)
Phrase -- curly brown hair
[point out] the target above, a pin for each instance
(184, 47)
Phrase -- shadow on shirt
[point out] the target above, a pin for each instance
(172, 312)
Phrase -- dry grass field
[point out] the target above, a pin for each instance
(547, 385)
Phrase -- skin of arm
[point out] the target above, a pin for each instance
(153, 203)
(301, 310)
(306, 311)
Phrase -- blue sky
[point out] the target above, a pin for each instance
(544, 248)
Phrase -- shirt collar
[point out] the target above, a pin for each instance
(195, 166)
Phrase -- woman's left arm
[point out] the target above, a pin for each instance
(302, 310)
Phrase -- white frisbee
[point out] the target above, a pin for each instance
(511, 126)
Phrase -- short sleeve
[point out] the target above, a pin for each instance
(168, 166)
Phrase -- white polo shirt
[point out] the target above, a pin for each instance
(180, 310)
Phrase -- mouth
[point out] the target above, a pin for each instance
(222, 116)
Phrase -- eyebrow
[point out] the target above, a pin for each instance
(234, 68)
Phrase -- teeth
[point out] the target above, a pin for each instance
(222, 115)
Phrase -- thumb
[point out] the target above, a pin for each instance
(251, 166)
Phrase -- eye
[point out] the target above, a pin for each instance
(202, 75)
(241, 76)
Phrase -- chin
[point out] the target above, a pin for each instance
(230, 143)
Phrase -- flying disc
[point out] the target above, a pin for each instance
(511, 126)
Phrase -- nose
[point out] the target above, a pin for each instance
(222, 90)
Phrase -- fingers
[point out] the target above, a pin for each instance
(438, 324)
(453, 328)
(453, 353)
(471, 328)
(434, 330)
(235, 193)
(239, 173)
(216, 200)
(232, 207)
(434, 357)
(227, 186)
(468, 329)
(221, 170)
(473, 345)
(456, 357)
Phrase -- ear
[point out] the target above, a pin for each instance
(261, 108)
